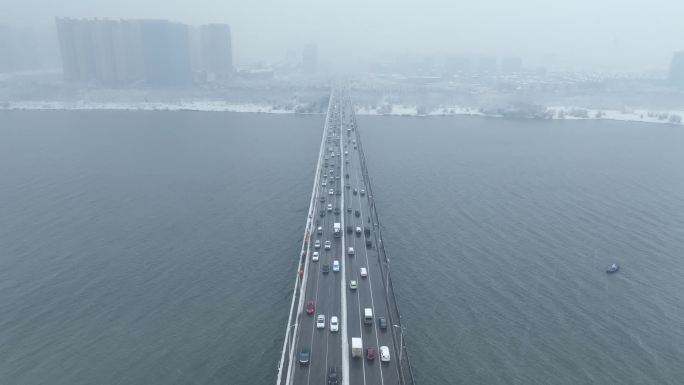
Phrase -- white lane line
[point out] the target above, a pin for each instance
(312, 208)
(345, 342)
(370, 281)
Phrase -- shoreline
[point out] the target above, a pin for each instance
(551, 113)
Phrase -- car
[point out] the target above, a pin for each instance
(333, 376)
(346, 153)
(354, 147)
(317, 244)
(384, 354)
(337, 211)
(369, 243)
(325, 268)
(331, 171)
(358, 230)
(338, 192)
(362, 192)
(320, 321)
(350, 229)
(329, 206)
(322, 198)
(319, 230)
(323, 184)
(346, 175)
(357, 213)
(327, 245)
(346, 161)
(352, 284)
(334, 324)
(304, 356)
(370, 353)
(382, 322)
(350, 251)
(314, 257)
(336, 265)
(363, 272)
(355, 191)
(349, 210)
(310, 307)
(331, 192)
(322, 213)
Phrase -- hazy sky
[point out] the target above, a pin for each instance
(591, 34)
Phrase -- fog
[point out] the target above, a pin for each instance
(579, 34)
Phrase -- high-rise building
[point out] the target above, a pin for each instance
(216, 52)
(310, 58)
(166, 53)
(677, 69)
(125, 51)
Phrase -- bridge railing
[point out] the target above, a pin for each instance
(398, 336)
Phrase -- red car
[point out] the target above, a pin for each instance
(370, 354)
(310, 307)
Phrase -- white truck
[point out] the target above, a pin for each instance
(356, 347)
(338, 229)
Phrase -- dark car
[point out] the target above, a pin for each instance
(337, 211)
(310, 307)
(325, 268)
(350, 229)
(338, 192)
(366, 231)
(349, 209)
(369, 243)
(346, 175)
(357, 213)
(333, 376)
(304, 356)
(322, 199)
(322, 213)
(382, 322)
(370, 354)
(347, 186)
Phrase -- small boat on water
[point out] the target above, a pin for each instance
(613, 268)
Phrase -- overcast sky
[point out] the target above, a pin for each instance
(589, 34)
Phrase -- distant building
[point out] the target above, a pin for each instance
(487, 64)
(216, 51)
(310, 58)
(457, 63)
(677, 69)
(165, 53)
(511, 64)
(117, 52)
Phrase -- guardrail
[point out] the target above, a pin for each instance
(405, 371)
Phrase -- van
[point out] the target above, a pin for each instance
(368, 316)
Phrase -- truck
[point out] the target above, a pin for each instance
(338, 229)
(368, 316)
(356, 347)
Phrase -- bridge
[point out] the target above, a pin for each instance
(343, 272)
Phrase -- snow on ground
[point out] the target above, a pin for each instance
(558, 112)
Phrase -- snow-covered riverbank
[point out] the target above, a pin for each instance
(554, 112)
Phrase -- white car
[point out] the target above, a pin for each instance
(320, 321)
(352, 285)
(319, 230)
(358, 230)
(314, 257)
(364, 272)
(350, 251)
(335, 326)
(336, 265)
(331, 192)
(384, 354)
(317, 244)
(327, 245)
(323, 184)
(329, 206)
